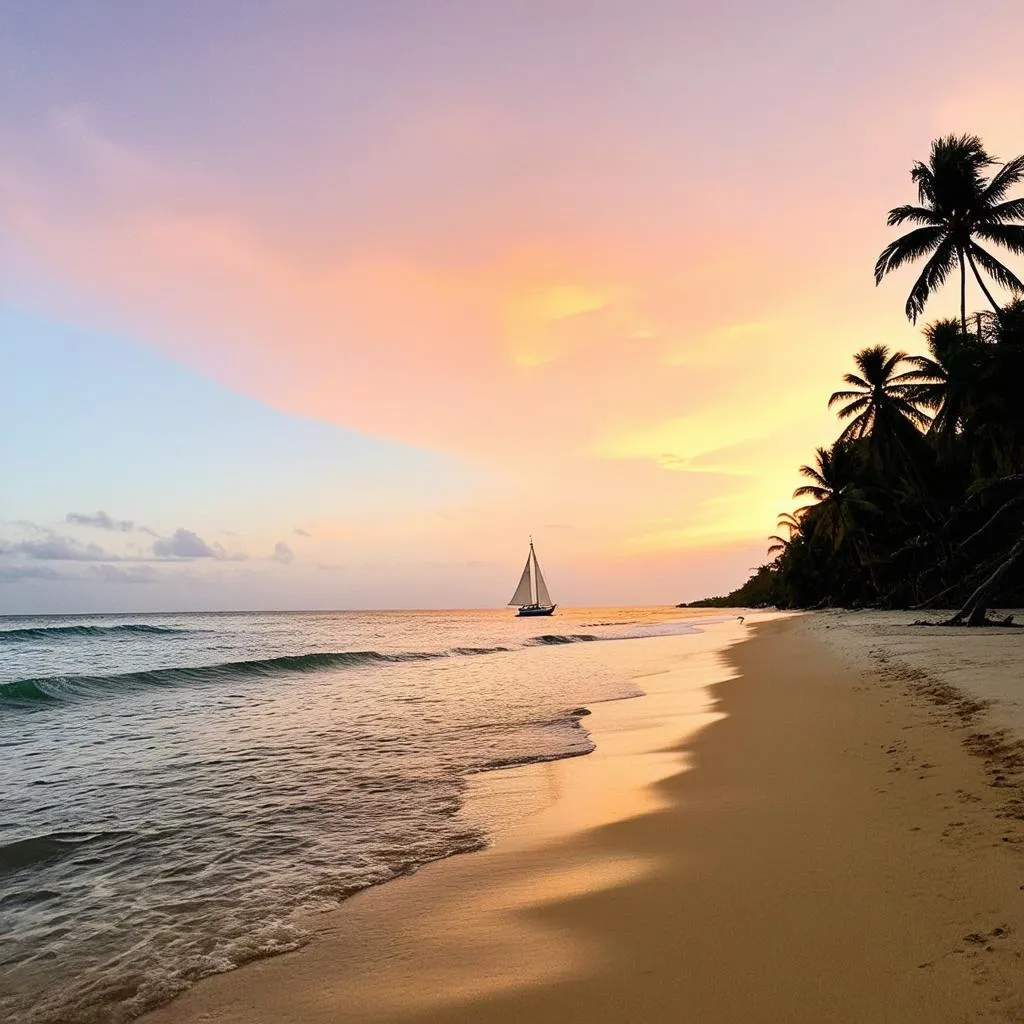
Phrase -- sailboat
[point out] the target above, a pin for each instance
(532, 595)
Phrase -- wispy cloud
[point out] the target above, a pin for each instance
(104, 521)
(300, 532)
(54, 548)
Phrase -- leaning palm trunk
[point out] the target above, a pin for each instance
(976, 606)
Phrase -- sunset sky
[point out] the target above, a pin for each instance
(332, 304)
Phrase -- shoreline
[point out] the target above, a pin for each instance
(827, 850)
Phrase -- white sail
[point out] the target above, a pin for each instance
(543, 597)
(524, 593)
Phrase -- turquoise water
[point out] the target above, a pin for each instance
(175, 790)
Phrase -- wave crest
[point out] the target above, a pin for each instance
(74, 688)
(22, 853)
(551, 639)
(27, 633)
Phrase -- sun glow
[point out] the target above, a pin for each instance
(535, 321)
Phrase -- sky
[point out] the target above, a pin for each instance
(334, 304)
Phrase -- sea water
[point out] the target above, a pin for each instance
(177, 790)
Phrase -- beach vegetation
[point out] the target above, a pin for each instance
(919, 502)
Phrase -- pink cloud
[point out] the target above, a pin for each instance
(629, 305)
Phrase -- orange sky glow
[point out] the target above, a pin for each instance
(619, 295)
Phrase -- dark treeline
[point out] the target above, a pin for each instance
(920, 501)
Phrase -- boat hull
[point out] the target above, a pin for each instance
(529, 611)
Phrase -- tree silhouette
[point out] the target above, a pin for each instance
(958, 204)
(882, 402)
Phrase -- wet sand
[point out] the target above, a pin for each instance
(840, 846)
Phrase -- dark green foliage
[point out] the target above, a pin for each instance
(920, 502)
(757, 592)
(923, 499)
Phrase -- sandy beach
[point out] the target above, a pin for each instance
(832, 832)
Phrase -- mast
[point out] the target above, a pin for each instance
(534, 595)
(532, 591)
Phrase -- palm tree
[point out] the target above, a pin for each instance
(946, 382)
(1003, 328)
(883, 403)
(792, 525)
(789, 522)
(997, 414)
(836, 490)
(957, 205)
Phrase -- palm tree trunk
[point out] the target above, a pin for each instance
(963, 293)
(981, 284)
(858, 549)
(976, 605)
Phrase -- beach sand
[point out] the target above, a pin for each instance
(842, 840)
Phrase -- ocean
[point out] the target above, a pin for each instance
(178, 791)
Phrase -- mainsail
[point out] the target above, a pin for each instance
(524, 592)
(532, 591)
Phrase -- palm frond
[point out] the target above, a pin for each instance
(889, 366)
(858, 405)
(999, 273)
(915, 374)
(1003, 180)
(922, 176)
(936, 270)
(809, 491)
(910, 412)
(944, 337)
(906, 249)
(902, 393)
(846, 396)
(1012, 209)
(788, 521)
(913, 215)
(813, 474)
(853, 431)
(925, 370)
(1009, 236)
